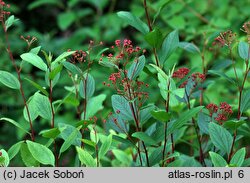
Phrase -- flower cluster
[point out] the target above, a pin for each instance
(225, 39)
(29, 40)
(246, 29)
(130, 89)
(78, 57)
(123, 52)
(223, 111)
(183, 72)
(3, 13)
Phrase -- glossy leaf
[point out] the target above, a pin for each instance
(219, 73)
(35, 60)
(133, 21)
(4, 158)
(161, 115)
(217, 160)
(95, 104)
(85, 157)
(15, 124)
(239, 157)
(27, 157)
(136, 68)
(87, 86)
(245, 101)
(14, 149)
(9, 80)
(37, 86)
(41, 153)
(182, 119)
(169, 45)
(69, 141)
(105, 146)
(190, 47)
(121, 104)
(72, 68)
(220, 137)
(51, 133)
(43, 106)
(154, 38)
(144, 137)
(243, 50)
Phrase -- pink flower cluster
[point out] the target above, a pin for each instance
(3, 13)
(223, 111)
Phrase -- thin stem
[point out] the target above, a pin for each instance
(165, 126)
(53, 117)
(18, 71)
(240, 88)
(150, 29)
(202, 160)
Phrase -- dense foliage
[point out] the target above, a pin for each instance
(125, 83)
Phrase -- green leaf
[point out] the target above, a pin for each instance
(239, 157)
(156, 156)
(234, 124)
(14, 149)
(122, 156)
(35, 60)
(183, 118)
(220, 137)
(43, 106)
(154, 38)
(85, 157)
(95, 104)
(55, 71)
(9, 80)
(35, 50)
(245, 101)
(169, 45)
(190, 47)
(72, 68)
(4, 158)
(243, 49)
(145, 113)
(160, 71)
(144, 137)
(136, 68)
(50, 133)
(10, 21)
(27, 157)
(32, 110)
(37, 86)
(14, 123)
(69, 141)
(66, 130)
(39, 3)
(133, 21)
(41, 153)
(121, 104)
(217, 160)
(105, 146)
(62, 57)
(219, 73)
(161, 115)
(65, 19)
(87, 84)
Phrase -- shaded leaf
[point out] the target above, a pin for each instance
(9, 80)
(217, 160)
(136, 68)
(41, 153)
(133, 21)
(35, 60)
(85, 157)
(144, 137)
(220, 137)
